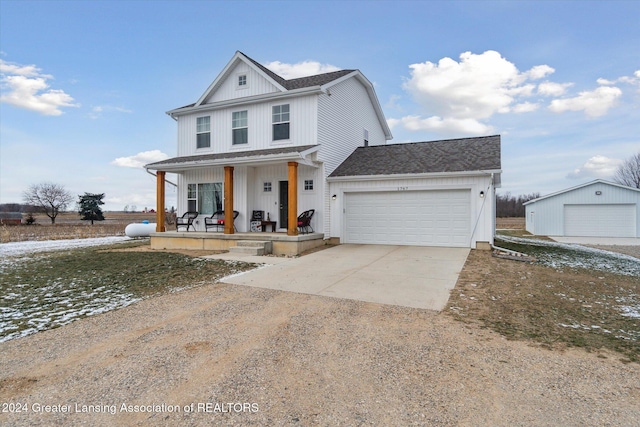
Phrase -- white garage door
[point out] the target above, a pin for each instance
(423, 218)
(600, 220)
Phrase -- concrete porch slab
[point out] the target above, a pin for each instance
(281, 243)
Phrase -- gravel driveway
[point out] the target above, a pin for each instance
(235, 355)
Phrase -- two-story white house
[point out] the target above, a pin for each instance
(257, 142)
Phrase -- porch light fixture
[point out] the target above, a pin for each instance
(482, 194)
(334, 197)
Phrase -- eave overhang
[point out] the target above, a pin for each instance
(237, 102)
(492, 172)
(244, 158)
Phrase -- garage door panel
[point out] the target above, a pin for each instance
(613, 220)
(427, 218)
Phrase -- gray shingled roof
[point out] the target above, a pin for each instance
(301, 82)
(452, 155)
(203, 158)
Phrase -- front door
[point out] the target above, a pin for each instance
(284, 204)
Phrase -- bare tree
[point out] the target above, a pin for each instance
(628, 173)
(508, 206)
(48, 198)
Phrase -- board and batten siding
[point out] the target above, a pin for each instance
(303, 125)
(342, 118)
(229, 89)
(546, 216)
(249, 194)
(482, 209)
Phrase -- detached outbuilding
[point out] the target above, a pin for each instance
(598, 208)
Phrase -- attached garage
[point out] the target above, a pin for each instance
(595, 209)
(439, 193)
(421, 218)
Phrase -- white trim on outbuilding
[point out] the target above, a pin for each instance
(594, 209)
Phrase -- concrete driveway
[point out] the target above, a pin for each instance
(411, 276)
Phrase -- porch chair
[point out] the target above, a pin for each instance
(304, 221)
(217, 220)
(186, 220)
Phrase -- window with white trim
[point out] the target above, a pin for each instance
(280, 120)
(203, 132)
(242, 81)
(204, 198)
(365, 134)
(240, 129)
(308, 185)
(266, 187)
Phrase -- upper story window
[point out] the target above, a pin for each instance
(203, 132)
(280, 119)
(365, 134)
(240, 127)
(242, 81)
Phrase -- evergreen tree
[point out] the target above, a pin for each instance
(89, 207)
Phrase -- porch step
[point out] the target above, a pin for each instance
(252, 247)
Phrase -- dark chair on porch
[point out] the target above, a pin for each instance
(304, 221)
(186, 220)
(217, 220)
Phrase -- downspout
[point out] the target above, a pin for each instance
(484, 200)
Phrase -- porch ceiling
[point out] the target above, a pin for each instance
(300, 154)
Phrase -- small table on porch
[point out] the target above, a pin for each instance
(264, 225)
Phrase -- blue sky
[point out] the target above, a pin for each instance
(85, 84)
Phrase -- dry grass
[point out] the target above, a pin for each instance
(510, 223)
(554, 307)
(69, 226)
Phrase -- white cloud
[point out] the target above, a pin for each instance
(445, 125)
(596, 167)
(24, 86)
(525, 107)
(553, 89)
(301, 69)
(594, 103)
(539, 71)
(96, 111)
(460, 95)
(140, 159)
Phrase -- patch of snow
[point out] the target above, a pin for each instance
(31, 246)
(578, 256)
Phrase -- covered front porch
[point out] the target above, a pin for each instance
(279, 184)
(278, 243)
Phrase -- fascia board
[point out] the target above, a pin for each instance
(412, 175)
(225, 71)
(245, 101)
(218, 79)
(297, 157)
(577, 187)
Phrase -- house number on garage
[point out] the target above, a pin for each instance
(403, 188)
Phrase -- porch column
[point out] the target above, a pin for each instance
(292, 227)
(228, 200)
(160, 202)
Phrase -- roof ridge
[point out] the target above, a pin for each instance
(430, 142)
(291, 83)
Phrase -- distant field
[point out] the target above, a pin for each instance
(69, 226)
(510, 223)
